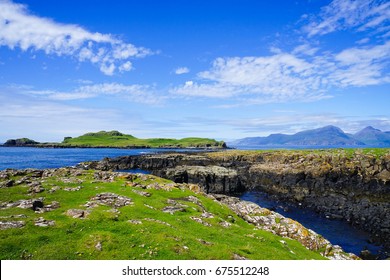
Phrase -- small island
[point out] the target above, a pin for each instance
(116, 139)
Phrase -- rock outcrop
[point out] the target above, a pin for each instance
(353, 187)
(194, 206)
(21, 142)
(273, 222)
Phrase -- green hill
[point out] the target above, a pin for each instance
(117, 139)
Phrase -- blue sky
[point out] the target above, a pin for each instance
(218, 69)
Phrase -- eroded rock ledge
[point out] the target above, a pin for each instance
(351, 186)
(262, 218)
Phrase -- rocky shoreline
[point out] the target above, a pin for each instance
(67, 146)
(276, 223)
(262, 218)
(354, 188)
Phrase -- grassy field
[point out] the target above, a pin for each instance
(346, 152)
(140, 230)
(117, 139)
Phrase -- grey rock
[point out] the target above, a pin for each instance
(207, 215)
(225, 224)
(74, 189)
(109, 199)
(78, 213)
(99, 246)
(135, 222)
(238, 257)
(146, 194)
(200, 221)
(158, 221)
(172, 209)
(41, 222)
(7, 184)
(54, 189)
(36, 187)
(11, 224)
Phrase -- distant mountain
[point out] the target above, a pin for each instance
(373, 136)
(324, 136)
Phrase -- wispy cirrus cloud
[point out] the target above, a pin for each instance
(277, 78)
(135, 93)
(21, 29)
(290, 77)
(362, 66)
(361, 15)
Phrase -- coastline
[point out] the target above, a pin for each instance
(348, 185)
(201, 211)
(223, 179)
(65, 146)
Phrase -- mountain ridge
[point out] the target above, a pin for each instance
(324, 136)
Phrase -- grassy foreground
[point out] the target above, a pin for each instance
(162, 220)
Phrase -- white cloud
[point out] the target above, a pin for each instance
(20, 29)
(346, 14)
(182, 70)
(125, 66)
(108, 69)
(135, 93)
(363, 41)
(256, 71)
(362, 66)
(364, 55)
(277, 78)
(305, 49)
(305, 75)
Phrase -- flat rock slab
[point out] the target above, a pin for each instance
(78, 213)
(200, 221)
(11, 224)
(41, 222)
(135, 222)
(75, 189)
(172, 209)
(109, 199)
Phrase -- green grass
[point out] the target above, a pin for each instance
(183, 238)
(117, 139)
(344, 152)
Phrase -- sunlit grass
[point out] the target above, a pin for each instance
(107, 235)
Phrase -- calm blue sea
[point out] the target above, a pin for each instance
(41, 158)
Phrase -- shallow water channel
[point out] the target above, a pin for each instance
(338, 232)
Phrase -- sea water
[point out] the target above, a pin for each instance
(338, 232)
(42, 158)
